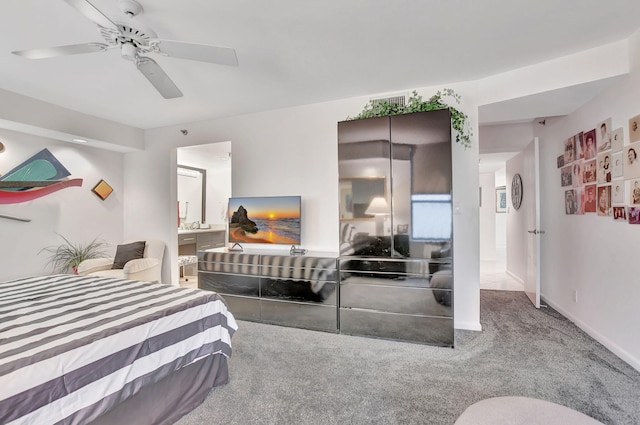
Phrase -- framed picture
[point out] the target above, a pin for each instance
(617, 192)
(501, 199)
(570, 204)
(634, 215)
(566, 176)
(403, 228)
(620, 214)
(603, 194)
(569, 151)
(617, 139)
(631, 165)
(578, 141)
(603, 136)
(635, 191)
(634, 129)
(102, 189)
(617, 161)
(590, 144)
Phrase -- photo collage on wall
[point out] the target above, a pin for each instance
(600, 173)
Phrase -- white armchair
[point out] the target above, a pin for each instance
(148, 268)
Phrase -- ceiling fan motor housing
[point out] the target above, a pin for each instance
(129, 51)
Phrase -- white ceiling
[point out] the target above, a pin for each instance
(294, 52)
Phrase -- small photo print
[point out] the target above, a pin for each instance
(577, 173)
(634, 129)
(589, 172)
(569, 151)
(631, 161)
(634, 215)
(590, 198)
(603, 135)
(579, 200)
(604, 200)
(604, 168)
(565, 176)
(620, 213)
(617, 140)
(590, 144)
(578, 142)
(617, 192)
(570, 204)
(617, 160)
(635, 191)
(560, 161)
(501, 199)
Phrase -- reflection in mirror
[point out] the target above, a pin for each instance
(192, 195)
(356, 195)
(412, 153)
(207, 203)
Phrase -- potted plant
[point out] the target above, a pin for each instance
(68, 255)
(459, 120)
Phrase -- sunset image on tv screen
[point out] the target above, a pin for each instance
(270, 220)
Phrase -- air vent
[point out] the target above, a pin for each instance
(400, 100)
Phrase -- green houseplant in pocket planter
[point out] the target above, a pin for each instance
(68, 255)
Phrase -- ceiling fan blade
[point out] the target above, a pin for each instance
(51, 52)
(93, 14)
(158, 78)
(198, 52)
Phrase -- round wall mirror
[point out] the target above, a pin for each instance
(516, 191)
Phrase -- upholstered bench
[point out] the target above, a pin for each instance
(521, 411)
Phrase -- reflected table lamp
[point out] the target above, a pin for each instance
(380, 209)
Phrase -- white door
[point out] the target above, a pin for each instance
(531, 206)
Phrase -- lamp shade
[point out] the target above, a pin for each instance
(378, 206)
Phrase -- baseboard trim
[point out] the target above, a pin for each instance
(468, 326)
(613, 347)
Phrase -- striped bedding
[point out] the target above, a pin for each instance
(73, 347)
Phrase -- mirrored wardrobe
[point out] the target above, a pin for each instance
(396, 274)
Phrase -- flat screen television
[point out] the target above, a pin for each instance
(265, 220)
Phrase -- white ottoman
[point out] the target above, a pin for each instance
(521, 411)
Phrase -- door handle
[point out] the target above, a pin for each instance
(536, 232)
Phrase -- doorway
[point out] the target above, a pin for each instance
(494, 274)
(203, 191)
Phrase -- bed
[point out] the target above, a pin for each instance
(92, 350)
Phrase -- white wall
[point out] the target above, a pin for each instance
(505, 138)
(501, 220)
(516, 223)
(488, 217)
(31, 116)
(558, 73)
(592, 255)
(74, 212)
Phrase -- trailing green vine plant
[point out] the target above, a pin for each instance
(459, 120)
(68, 255)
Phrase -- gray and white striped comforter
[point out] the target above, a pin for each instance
(72, 347)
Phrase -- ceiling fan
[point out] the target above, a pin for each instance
(135, 41)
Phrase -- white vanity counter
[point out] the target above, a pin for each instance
(212, 228)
